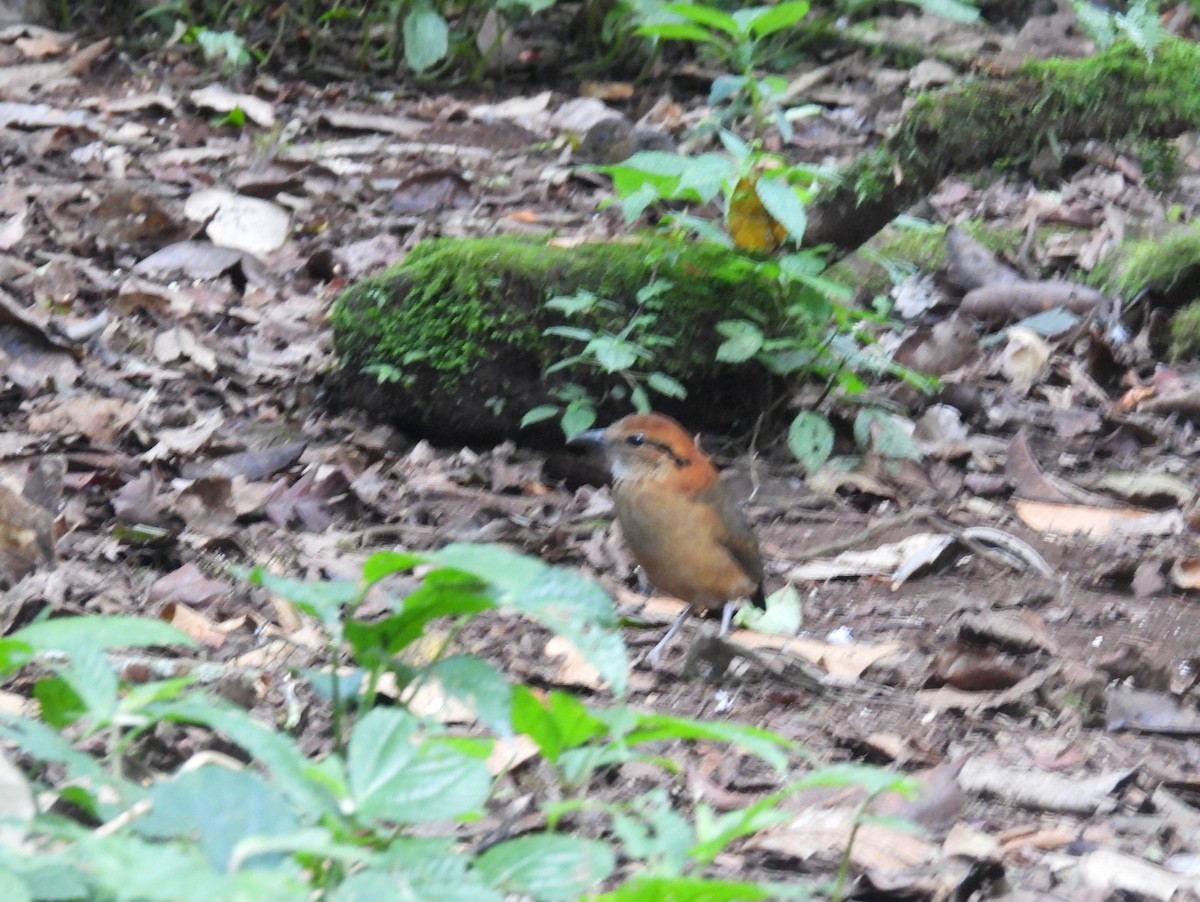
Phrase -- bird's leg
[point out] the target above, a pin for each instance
(726, 618)
(655, 656)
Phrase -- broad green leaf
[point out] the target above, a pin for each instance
(560, 722)
(561, 599)
(481, 685)
(613, 354)
(578, 418)
(677, 31)
(539, 414)
(743, 339)
(385, 563)
(547, 866)
(46, 744)
(703, 177)
(872, 779)
(781, 201)
(426, 37)
(439, 873)
(13, 888)
(881, 432)
(99, 632)
(571, 304)
(309, 786)
(666, 385)
(639, 399)
(505, 570)
(381, 746)
(770, 747)
(783, 616)
(320, 599)
(708, 16)
(377, 886)
(810, 439)
(769, 19)
(14, 654)
(440, 781)
(573, 332)
(217, 808)
(644, 887)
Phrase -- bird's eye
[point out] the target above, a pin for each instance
(636, 439)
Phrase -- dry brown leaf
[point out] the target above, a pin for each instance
(1096, 522)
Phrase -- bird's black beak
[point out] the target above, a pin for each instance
(592, 440)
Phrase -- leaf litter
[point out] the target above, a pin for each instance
(163, 291)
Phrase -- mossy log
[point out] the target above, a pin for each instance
(1116, 94)
(457, 331)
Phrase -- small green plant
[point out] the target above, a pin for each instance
(741, 41)
(628, 355)
(820, 334)
(387, 812)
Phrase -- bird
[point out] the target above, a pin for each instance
(684, 530)
(615, 139)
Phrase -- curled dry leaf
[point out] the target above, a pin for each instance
(221, 100)
(1096, 523)
(249, 224)
(1024, 358)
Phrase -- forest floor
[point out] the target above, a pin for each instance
(167, 400)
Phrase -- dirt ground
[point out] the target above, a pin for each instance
(169, 399)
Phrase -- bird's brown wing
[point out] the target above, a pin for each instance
(736, 537)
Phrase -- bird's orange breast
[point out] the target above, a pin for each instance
(693, 545)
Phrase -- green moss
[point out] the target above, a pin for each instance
(1164, 263)
(1185, 333)
(452, 305)
(1115, 94)
(920, 249)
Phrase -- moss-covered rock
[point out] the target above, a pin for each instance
(450, 343)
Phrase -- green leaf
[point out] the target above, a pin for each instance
(385, 563)
(781, 201)
(571, 304)
(396, 779)
(561, 599)
(708, 16)
(13, 888)
(572, 332)
(425, 869)
(783, 616)
(479, 684)
(320, 599)
(60, 705)
(426, 37)
(288, 766)
(639, 399)
(643, 888)
(703, 177)
(217, 808)
(540, 414)
(547, 866)
(768, 746)
(613, 354)
(766, 20)
(666, 385)
(677, 31)
(561, 722)
(879, 431)
(578, 418)
(743, 339)
(99, 632)
(810, 439)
